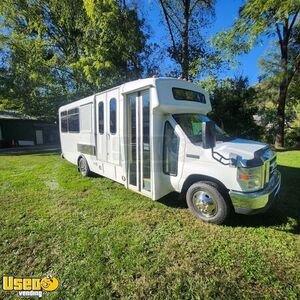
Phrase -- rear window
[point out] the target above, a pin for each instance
(188, 95)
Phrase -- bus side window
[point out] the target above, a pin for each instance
(101, 117)
(73, 120)
(64, 121)
(170, 150)
(113, 115)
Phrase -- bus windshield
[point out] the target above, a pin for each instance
(191, 124)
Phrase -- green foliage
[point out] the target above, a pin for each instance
(268, 96)
(257, 17)
(293, 131)
(113, 45)
(270, 18)
(266, 99)
(59, 50)
(233, 106)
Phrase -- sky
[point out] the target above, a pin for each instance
(226, 13)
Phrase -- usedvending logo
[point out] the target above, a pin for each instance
(29, 286)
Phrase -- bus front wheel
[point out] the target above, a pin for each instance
(207, 202)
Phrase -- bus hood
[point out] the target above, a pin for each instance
(247, 149)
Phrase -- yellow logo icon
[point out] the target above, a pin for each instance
(49, 284)
(29, 286)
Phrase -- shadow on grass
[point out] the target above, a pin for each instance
(286, 206)
(271, 218)
(288, 149)
(173, 200)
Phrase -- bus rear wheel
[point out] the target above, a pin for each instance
(83, 167)
(207, 203)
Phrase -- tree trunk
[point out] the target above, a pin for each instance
(280, 118)
(286, 77)
(185, 64)
(283, 88)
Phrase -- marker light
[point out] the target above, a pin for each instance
(244, 177)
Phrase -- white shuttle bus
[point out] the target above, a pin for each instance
(154, 137)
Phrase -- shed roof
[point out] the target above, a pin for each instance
(10, 114)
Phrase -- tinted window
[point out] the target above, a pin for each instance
(113, 115)
(73, 120)
(146, 142)
(132, 146)
(170, 150)
(64, 121)
(73, 111)
(188, 95)
(73, 123)
(69, 120)
(101, 117)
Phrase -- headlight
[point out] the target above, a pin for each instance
(250, 179)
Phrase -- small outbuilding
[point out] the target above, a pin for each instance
(20, 130)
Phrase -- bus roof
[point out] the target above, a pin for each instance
(165, 101)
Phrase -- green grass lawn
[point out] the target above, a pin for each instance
(103, 241)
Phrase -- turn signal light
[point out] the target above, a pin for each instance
(244, 177)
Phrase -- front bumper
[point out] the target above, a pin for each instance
(257, 202)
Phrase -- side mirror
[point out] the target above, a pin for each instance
(208, 134)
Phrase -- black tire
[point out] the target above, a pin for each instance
(83, 167)
(206, 201)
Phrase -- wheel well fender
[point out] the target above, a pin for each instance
(198, 177)
(79, 158)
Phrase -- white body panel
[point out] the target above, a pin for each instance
(133, 155)
(69, 140)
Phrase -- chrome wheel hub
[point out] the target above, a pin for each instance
(82, 166)
(205, 204)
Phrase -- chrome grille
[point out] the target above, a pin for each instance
(273, 165)
(270, 164)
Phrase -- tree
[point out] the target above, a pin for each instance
(267, 98)
(114, 44)
(234, 106)
(60, 50)
(271, 18)
(184, 20)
